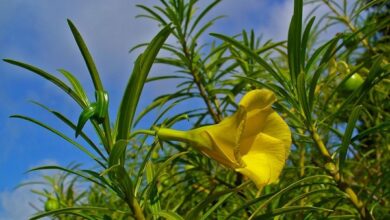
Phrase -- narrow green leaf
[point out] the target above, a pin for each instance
(326, 48)
(189, 11)
(118, 153)
(71, 171)
(69, 191)
(364, 8)
(71, 211)
(329, 49)
(135, 85)
(307, 194)
(294, 41)
(346, 140)
(142, 167)
(170, 61)
(291, 209)
(79, 146)
(313, 85)
(100, 177)
(302, 96)
(159, 103)
(221, 195)
(62, 86)
(87, 57)
(281, 192)
(73, 126)
(152, 196)
(153, 14)
(125, 183)
(252, 54)
(160, 169)
(380, 127)
(220, 202)
(95, 79)
(77, 87)
(85, 115)
(202, 29)
(202, 14)
(49, 77)
(169, 215)
(305, 39)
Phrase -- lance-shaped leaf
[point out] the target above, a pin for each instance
(49, 77)
(87, 113)
(87, 57)
(77, 87)
(294, 41)
(346, 140)
(60, 134)
(135, 85)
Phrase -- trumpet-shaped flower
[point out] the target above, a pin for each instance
(254, 141)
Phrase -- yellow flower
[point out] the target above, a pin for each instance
(254, 141)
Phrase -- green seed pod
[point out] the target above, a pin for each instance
(354, 82)
(51, 204)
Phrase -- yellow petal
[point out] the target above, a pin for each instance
(227, 133)
(276, 127)
(258, 104)
(265, 160)
(258, 99)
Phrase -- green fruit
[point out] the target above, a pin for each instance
(51, 204)
(354, 82)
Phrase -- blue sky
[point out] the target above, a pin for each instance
(36, 32)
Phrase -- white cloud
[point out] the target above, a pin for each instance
(279, 17)
(109, 30)
(277, 23)
(16, 204)
(40, 36)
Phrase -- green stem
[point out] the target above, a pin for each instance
(135, 208)
(331, 169)
(147, 132)
(202, 90)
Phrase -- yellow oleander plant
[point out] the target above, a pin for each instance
(298, 145)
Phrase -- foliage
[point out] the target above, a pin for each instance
(338, 166)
